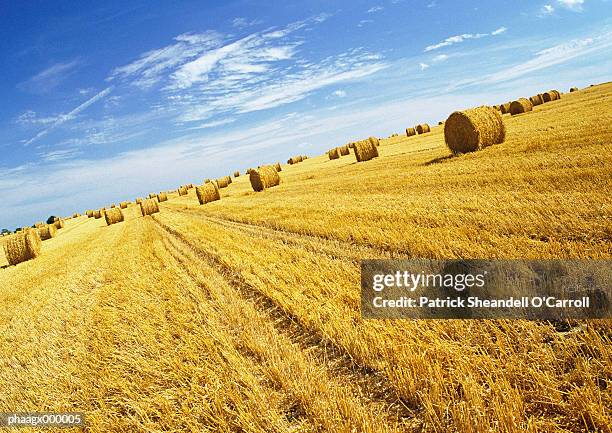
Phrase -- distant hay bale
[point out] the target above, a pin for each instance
(76, 215)
(112, 205)
(351, 145)
(207, 193)
(536, 99)
(236, 173)
(47, 232)
(223, 182)
(277, 167)
(375, 142)
(138, 200)
(181, 191)
(59, 224)
(265, 177)
(149, 207)
(90, 214)
(113, 216)
(497, 107)
(162, 196)
(365, 150)
(410, 132)
(473, 129)
(98, 214)
(295, 159)
(22, 246)
(551, 95)
(505, 108)
(573, 89)
(39, 224)
(440, 123)
(519, 106)
(423, 128)
(123, 205)
(189, 186)
(333, 153)
(344, 150)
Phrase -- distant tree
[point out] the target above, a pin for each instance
(51, 219)
(5, 232)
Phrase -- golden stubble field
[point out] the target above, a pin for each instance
(243, 314)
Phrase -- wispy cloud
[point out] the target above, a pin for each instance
(69, 116)
(375, 9)
(423, 66)
(364, 22)
(214, 123)
(547, 9)
(242, 22)
(457, 39)
(573, 5)
(30, 117)
(50, 78)
(339, 93)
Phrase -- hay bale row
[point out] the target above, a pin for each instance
(473, 129)
(365, 149)
(521, 105)
(22, 246)
(223, 182)
(162, 196)
(149, 207)
(295, 159)
(423, 128)
(47, 232)
(536, 99)
(333, 153)
(113, 216)
(207, 193)
(264, 177)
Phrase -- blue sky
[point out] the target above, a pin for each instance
(107, 101)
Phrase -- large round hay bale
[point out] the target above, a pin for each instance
(22, 246)
(265, 177)
(59, 224)
(519, 106)
(162, 196)
(333, 153)
(551, 95)
(113, 216)
(536, 99)
(473, 129)
(410, 132)
(344, 150)
(573, 89)
(423, 128)
(47, 232)
(207, 193)
(149, 207)
(223, 182)
(278, 167)
(365, 150)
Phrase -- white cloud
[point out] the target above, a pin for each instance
(214, 123)
(339, 93)
(30, 117)
(440, 58)
(69, 116)
(547, 9)
(49, 78)
(461, 38)
(574, 5)
(364, 22)
(375, 9)
(423, 66)
(242, 22)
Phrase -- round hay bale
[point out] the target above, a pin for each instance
(223, 182)
(98, 214)
(206, 181)
(519, 106)
(59, 224)
(573, 89)
(207, 193)
(423, 128)
(123, 205)
(90, 214)
(265, 177)
(162, 196)
(112, 205)
(536, 100)
(333, 154)
(497, 107)
(39, 224)
(138, 200)
(365, 150)
(557, 94)
(295, 159)
(76, 215)
(351, 145)
(473, 129)
(410, 132)
(22, 246)
(375, 142)
(344, 150)
(236, 173)
(505, 108)
(113, 216)
(47, 232)
(278, 167)
(181, 191)
(149, 207)
(551, 95)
